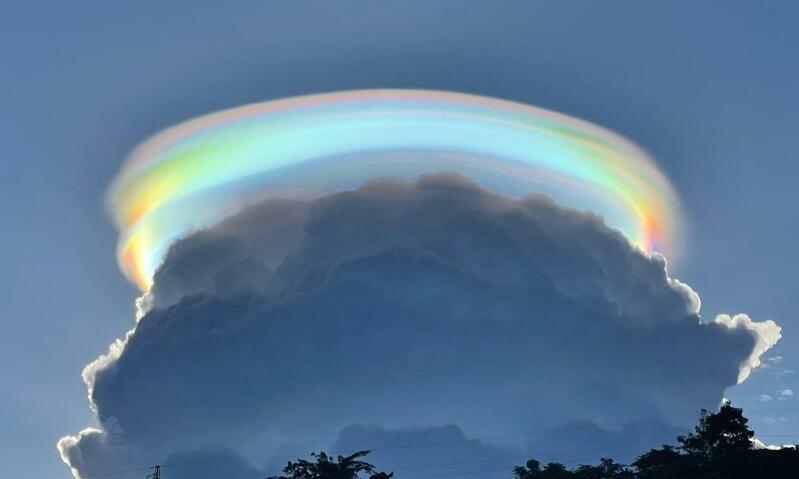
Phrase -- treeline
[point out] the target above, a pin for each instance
(720, 447)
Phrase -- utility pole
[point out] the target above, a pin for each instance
(156, 474)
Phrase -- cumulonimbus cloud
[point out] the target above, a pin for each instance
(406, 304)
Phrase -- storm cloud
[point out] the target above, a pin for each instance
(400, 306)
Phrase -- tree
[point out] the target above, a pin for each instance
(720, 447)
(555, 470)
(664, 463)
(607, 469)
(344, 467)
(531, 470)
(725, 432)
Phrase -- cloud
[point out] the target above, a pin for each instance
(767, 333)
(786, 393)
(93, 453)
(424, 451)
(407, 305)
(764, 398)
(769, 420)
(209, 463)
(758, 444)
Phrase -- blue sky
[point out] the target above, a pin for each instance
(709, 91)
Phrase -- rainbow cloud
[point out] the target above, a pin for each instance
(199, 172)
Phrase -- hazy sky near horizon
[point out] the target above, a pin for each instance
(708, 90)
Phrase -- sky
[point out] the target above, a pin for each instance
(708, 91)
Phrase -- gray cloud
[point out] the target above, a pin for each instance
(424, 451)
(409, 305)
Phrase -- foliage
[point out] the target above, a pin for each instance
(725, 432)
(720, 447)
(344, 467)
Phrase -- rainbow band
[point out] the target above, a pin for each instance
(199, 172)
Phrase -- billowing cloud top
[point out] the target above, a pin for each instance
(200, 172)
(407, 304)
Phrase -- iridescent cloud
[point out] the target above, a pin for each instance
(199, 172)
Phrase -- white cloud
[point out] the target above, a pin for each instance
(786, 393)
(769, 420)
(764, 398)
(758, 444)
(766, 332)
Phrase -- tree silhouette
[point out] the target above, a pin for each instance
(607, 469)
(664, 463)
(531, 470)
(726, 431)
(720, 447)
(719, 444)
(344, 467)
